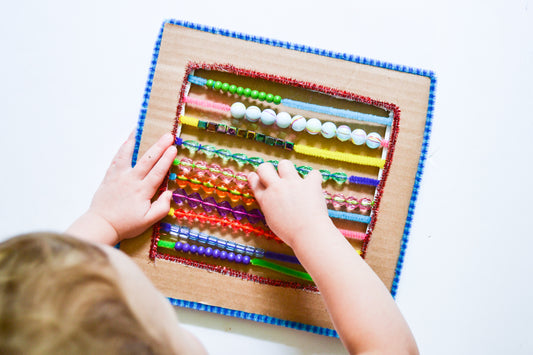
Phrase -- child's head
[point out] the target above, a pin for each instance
(63, 295)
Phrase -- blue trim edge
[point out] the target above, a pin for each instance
(331, 54)
(254, 317)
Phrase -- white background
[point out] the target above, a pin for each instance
(72, 77)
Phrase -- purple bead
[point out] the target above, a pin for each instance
(216, 253)
(165, 227)
(224, 208)
(223, 255)
(238, 258)
(231, 256)
(193, 249)
(246, 260)
(178, 246)
(179, 196)
(186, 247)
(255, 216)
(209, 204)
(201, 250)
(239, 212)
(208, 251)
(194, 200)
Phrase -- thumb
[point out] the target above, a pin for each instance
(159, 208)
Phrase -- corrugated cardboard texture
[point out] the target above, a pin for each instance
(409, 92)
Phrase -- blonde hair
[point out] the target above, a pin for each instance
(59, 295)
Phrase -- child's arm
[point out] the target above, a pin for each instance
(121, 207)
(363, 311)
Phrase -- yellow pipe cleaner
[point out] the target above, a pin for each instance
(345, 157)
(189, 121)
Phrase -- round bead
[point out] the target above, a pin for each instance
(247, 92)
(208, 251)
(269, 98)
(358, 136)
(351, 203)
(178, 246)
(216, 253)
(373, 140)
(253, 113)
(231, 256)
(232, 88)
(225, 87)
(277, 99)
(238, 110)
(218, 85)
(240, 90)
(283, 120)
(268, 117)
(365, 204)
(313, 126)
(337, 201)
(328, 130)
(193, 249)
(201, 250)
(223, 255)
(210, 83)
(238, 258)
(298, 123)
(246, 260)
(262, 96)
(343, 133)
(254, 94)
(185, 247)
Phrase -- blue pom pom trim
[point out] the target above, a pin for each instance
(322, 52)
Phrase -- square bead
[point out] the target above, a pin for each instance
(222, 128)
(270, 140)
(232, 131)
(289, 145)
(211, 126)
(242, 133)
(280, 142)
(250, 135)
(260, 137)
(202, 124)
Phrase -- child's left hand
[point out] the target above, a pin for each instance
(122, 206)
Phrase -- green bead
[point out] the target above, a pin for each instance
(176, 161)
(224, 154)
(240, 90)
(208, 150)
(225, 87)
(218, 85)
(255, 161)
(209, 83)
(247, 92)
(240, 158)
(273, 162)
(269, 97)
(304, 170)
(277, 99)
(339, 178)
(254, 94)
(262, 95)
(326, 174)
(232, 88)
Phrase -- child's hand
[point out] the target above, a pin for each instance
(291, 205)
(122, 206)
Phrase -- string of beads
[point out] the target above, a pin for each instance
(240, 158)
(338, 201)
(223, 208)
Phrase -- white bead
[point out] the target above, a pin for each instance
(313, 126)
(253, 113)
(343, 133)
(358, 136)
(298, 123)
(373, 140)
(238, 110)
(268, 117)
(328, 130)
(283, 120)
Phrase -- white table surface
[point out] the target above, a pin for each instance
(72, 80)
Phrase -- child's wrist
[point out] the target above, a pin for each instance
(92, 227)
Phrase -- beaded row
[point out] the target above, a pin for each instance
(225, 87)
(206, 239)
(338, 200)
(240, 158)
(299, 123)
(222, 128)
(238, 226)
(221, 191)
(223, 208)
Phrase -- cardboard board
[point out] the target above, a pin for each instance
(299, 73)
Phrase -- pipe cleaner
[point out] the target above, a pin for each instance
(223, 208)
(210, 151)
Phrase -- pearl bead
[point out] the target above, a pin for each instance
(328, 130)
(253, 113)
(358, 136)
(313, 126)
(268, 117)
(373, 140)
(238, 110)
(343, 133)
(298, 123)
(283, 120)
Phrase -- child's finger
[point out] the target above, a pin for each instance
(123, 157)
(152, 156)
(159, 208)
(286, 169)
(267, 174)
(315, 177)
(155, 177)
(255, 185)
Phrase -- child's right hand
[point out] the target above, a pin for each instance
(291, 205)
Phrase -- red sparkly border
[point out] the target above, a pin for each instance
(298, 84)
